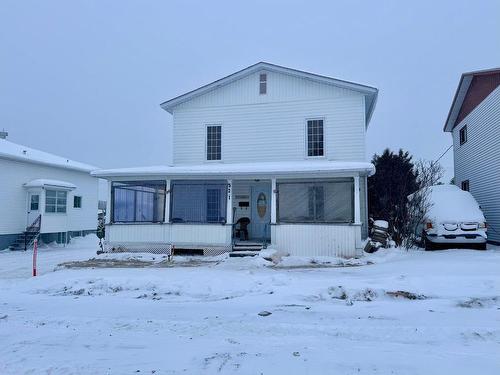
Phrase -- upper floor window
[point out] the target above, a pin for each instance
(263, 83)
(463, 135)
(315, 144)
(55, 201)
(214, 142)
(77, 201)
(465, 185)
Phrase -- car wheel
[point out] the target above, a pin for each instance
(481, 246)
(428, 245)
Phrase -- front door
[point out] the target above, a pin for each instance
(260, 212)
(33, 207)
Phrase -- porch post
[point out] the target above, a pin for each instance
(273, 201)
(357, 207)
(168, 196)
(107, 218)
(229, 205)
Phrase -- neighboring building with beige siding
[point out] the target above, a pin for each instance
(265, 156)
(474, 121)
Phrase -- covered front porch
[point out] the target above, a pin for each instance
(312, 213)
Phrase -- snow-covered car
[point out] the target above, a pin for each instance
(453, 219)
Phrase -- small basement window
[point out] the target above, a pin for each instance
(463, 135)
(77, 201)
(263, 83)
(465, 185)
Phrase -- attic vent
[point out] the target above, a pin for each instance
(263, 83)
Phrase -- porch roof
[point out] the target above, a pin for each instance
(41, 182)
(306, 167)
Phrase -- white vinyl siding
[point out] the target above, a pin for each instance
(477, 160)
(273, 123)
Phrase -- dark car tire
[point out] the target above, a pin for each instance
(481, 246)
(428, 245)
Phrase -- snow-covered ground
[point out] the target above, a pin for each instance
(205, 318)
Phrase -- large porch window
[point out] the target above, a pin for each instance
(325, 201)
(198, 201)
(138, 201)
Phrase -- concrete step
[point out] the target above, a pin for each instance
(243, 253)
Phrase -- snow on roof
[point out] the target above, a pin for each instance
(369, 92)
(40, 182)
(235, 169)
(449, 203)
(13, 151)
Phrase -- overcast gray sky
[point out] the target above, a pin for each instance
(84, 79)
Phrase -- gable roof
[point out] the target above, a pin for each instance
(14, 151)
(369, 92)
(472, 89)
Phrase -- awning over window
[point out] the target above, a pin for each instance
(41, 183)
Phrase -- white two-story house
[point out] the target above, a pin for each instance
(474, 122)
(267, 156)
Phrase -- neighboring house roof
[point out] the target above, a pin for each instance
(370, 92)
(238, 169)
(41, 182)
(13, 151)
(472, 89)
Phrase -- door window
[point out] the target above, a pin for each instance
(34, 202)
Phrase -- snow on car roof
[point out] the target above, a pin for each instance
(449, 203)
(220, 169)
(14, 151)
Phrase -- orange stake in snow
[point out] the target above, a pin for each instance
(35, 251)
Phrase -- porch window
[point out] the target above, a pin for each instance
(315, 141)
(55, 201)
(325, 201)
(198, 201)
(138, 201)
(214, 142)
(77, 201)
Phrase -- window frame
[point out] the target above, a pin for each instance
(80, 201)
(463, 130)
(263, 82)
(221, 143)
(465, 185)
(208, 185)
(134, 222)
(37, 202)
(306, 127)
(315, 183)
(56, 204)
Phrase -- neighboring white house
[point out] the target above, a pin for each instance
(51, 194)
(282, 148)
(474, 121)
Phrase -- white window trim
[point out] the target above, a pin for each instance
(306, 151)
(267, 86)
(81, 202)
(221, 142)
(466, 135)
(45, 203)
